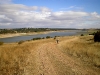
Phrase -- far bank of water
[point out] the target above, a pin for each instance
(29, 37)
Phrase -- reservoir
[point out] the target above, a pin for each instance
(29, 37)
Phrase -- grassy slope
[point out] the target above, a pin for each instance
(13, 57)
(84, 48)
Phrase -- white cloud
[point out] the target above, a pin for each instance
(71, 7)
(4, 24)
(95, 14)
(68, 15)
(18, 15)
(75, 8)
(4, 19)
(16, 7)
(5, 1)
(44, 9)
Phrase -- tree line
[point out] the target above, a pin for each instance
(29, 30)
(24, 30)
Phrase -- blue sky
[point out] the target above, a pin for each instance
(56, 5)
(50, 13)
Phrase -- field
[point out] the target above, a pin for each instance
(74, 55)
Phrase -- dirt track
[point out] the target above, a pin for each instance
(50, 60)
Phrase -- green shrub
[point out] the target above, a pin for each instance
(92, 33)
(55, 37)
(82, 35)
(43, 38)
(1, 43)
(48, 37)
(20, 42)
(38, 38)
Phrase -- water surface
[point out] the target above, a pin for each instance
(29, 37)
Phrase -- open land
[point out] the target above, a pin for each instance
(74, 55)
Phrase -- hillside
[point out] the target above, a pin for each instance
(74, 55)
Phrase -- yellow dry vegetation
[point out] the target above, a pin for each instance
(16, 59)
(82, 47)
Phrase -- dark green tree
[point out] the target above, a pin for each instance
(97, 36)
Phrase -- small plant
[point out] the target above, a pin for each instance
(55, 37)
(82, 35)
(43, 38)
(38, 38)
(48, 37)
(92, 33)
(20, 42)
(1, 43)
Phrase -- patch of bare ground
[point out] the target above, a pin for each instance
(44, 65)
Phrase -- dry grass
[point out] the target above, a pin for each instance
(84, 48)
(14, 57)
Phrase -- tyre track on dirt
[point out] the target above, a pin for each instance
(76, 67)
(46, 57)
(44, 65)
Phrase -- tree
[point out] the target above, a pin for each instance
(97, 36)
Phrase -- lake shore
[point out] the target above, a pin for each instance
(33, 33)
(23, 34)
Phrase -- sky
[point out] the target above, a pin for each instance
(49, 14)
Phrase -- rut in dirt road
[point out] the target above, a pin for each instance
(50, 60)
(49, 54)
(73, 67)
(44, 65)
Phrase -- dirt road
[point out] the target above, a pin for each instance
(50, 60)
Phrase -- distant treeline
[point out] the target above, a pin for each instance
(24, 30)
(28, 30)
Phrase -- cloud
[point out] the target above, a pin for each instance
(75, 8)
(16, 7)
(19, 15)
(95, 15)
(69, 7)
(4, 19)
(5, 1)
(44, 9)
(68, 15)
